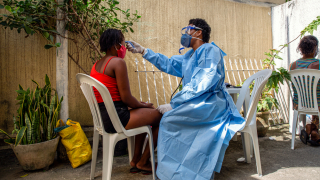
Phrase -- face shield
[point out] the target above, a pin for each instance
(187, 29)
(186, 37)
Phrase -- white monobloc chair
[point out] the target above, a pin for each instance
(109, 139)
(305, 81)
(260, 80)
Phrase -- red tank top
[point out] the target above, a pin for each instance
(106, 80)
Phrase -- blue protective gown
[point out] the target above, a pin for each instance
(195, 134)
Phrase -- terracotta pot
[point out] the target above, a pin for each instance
(261, 120)
(36, 156)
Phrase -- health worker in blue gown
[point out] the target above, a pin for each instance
(201, 119)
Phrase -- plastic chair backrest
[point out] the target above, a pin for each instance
(260, 80)
(305, 82)
(87, 84)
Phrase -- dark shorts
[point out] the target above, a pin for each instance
(123, 113)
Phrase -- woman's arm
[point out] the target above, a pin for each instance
(121, 74)
(292, 66)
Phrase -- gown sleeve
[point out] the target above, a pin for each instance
(171, 65)
(204, 77)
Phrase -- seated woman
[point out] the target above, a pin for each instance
(111, 70)
(308, 47)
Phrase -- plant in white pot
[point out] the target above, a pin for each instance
(36, 143)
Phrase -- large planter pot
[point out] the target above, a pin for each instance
(261, 121)
(36, 156)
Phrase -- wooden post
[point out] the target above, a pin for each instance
(62, 75)
(62, 65)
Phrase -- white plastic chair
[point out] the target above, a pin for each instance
(109, 140)
(260, 80)
(307, 104)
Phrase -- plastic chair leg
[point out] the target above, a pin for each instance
(95, 145)
(152, 155)
(130, 147)
(108, 150)
(293, 128)
(247, 149)
(254, 136)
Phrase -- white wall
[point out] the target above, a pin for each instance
(288, 20)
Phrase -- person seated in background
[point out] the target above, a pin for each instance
(309, 49)
(111, 70)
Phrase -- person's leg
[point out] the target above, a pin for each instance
(142, 117)
(139, 140)
(144, 162)
(314, 135)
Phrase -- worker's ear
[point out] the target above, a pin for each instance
(198, 33)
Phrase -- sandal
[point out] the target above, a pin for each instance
(314, 143)
(135, 170)
(144, 172)
(304, 136)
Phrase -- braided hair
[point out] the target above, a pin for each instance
(109, 38)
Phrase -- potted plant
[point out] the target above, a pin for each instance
(265, 103)
(35, 143)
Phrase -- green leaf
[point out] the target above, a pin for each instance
(47, 80)
(21, 91)
(48, 46)
(131, 29)
(55, 31)
(29, 130)
(46, 35)
(35, 125)
(29, 19)
(51, 38)
(8, 8)
(2, 131)
(58, 44)
(20, 135)
(1, 6)
(278, 57)
(36, 83)
(27, 29)
(9, 141)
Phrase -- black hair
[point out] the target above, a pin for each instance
(109, 38)
(307, 45)
(206, 29)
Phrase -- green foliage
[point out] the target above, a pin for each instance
(31, 123)
(85, 20)
(278, 77)
(313, 26)
(266, 101)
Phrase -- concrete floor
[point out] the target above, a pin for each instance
(279, 162)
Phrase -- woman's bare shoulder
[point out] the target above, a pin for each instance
(314, 65)
(292, 66)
